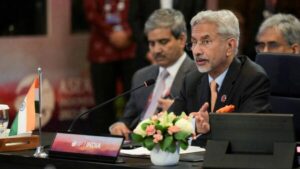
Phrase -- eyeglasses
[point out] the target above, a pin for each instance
(271, 46)
(202, 43)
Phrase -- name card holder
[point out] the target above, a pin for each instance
(86, 147)
(19, 143)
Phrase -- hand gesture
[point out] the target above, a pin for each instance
(202, 119)
(120, 129)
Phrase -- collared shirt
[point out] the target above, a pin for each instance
(219, 80)
(166, 4)
(173, 69)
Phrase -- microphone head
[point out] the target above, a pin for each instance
(149, 82)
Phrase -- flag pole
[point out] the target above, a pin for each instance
(40, 149)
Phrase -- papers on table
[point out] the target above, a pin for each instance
(141, 151)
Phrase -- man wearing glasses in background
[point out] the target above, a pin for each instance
(222, 78)
(279, 34)
(166, 33)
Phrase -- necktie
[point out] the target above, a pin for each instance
(214, 94)
(160, 87)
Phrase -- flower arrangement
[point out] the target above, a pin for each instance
(165, 130)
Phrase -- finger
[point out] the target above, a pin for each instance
(198, 121)
(201, 124)
(204, 107)
(205, 127)
(116, 131)
(125, 133)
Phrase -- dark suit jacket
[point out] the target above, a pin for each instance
(138, 99)
(140, 10)
(246, 86)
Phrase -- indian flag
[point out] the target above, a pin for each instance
(24, 122)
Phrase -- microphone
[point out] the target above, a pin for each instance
(146, 83)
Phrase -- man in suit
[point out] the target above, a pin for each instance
(279, 33)
(139, 12)
(166, 33)
(237, 80)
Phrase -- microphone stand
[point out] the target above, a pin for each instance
(146, 84)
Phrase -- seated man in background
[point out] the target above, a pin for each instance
(166, 33)
(279, 33)
(222, 77)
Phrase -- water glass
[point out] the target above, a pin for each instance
(4, 118)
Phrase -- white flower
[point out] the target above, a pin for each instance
(139, 130)
(185, 125)
(163, 118)
(171, 116)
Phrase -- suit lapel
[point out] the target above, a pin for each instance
(203, 91)
(148, 91)
(225, 93)
(184, 68)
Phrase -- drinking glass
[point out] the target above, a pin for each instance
(4, 118)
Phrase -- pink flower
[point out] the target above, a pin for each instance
(160, 114)
(154, 118)
(150, 130)
(157, 137)
(173, 129)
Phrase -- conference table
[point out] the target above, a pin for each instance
(25, 160)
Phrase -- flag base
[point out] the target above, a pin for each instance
(40, 152)
(18, 143)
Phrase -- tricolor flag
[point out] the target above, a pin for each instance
(24, 122)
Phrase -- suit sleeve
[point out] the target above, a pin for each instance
(179, 104)
(131, 113)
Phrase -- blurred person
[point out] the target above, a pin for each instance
(249, 16)
(139, 12)
(279, 33)
(166, 33)
(252, 14)
(223, 77)
(111, 56)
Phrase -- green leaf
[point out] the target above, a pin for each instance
(136, 137)
(167, 142)
(159, 127)
(183, 145)
(171, 148)
(175, 120)
(182, 115)
(144, 125)
(148, 143)
(181, 135)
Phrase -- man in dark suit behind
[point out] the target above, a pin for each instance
(140, 10)
(166, 33)
(239, 81)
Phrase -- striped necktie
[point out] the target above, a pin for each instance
(214, 94)
(160, 88)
